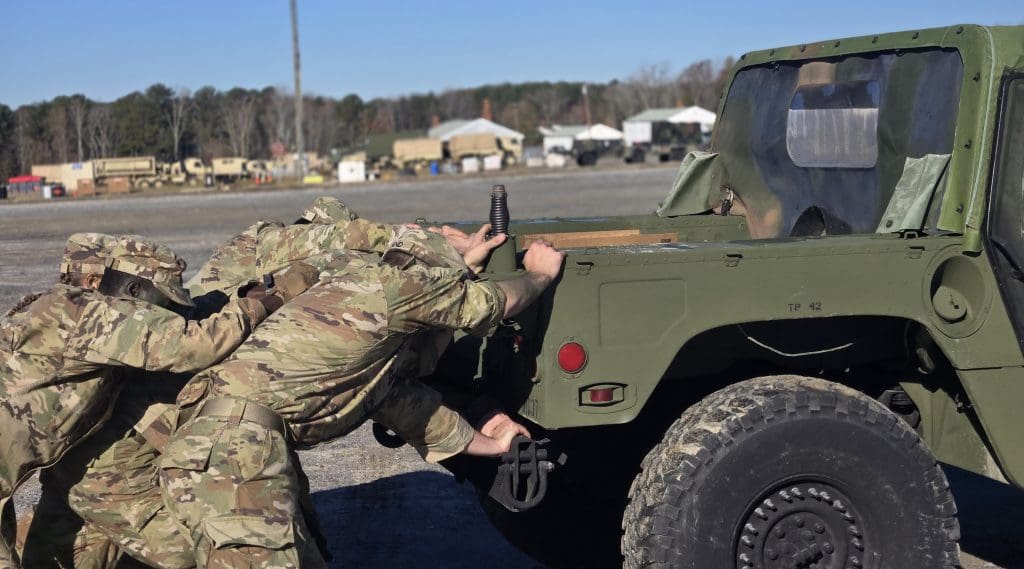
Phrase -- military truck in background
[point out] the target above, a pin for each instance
(141, 171)
(416, 154)
(191, 171)
(767, 372)
(475, 144)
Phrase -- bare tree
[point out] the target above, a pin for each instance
(457, 104)
(78, 107)
(23, 139)
(384, 117)
(653, 86)
(57, 124)
(176, 114)
(318, 119)
(549, 104)
(277, 115)
(239, 114)
(100, 129)
(698, 85)
(650, 86)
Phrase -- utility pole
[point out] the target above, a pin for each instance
(586, 106)
(300, 166)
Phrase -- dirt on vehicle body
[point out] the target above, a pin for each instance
(766, 372)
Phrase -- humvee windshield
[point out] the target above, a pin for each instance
(832, 136)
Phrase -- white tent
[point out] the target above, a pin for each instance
(698, 115)
(457, 127)
(565, 136)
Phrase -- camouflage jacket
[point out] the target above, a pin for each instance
(61, 359)
(343, 352)
(268, 247)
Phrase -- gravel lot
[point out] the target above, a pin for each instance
(385, 508)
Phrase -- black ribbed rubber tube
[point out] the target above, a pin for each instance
(499, 210)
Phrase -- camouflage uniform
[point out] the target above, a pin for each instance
(55, 534)
(116, 493)
(335, 356)
(85, 253)
(61, 359)
(268, 246)
(326, 209)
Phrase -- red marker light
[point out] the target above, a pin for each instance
(572, 357)
(603, 395)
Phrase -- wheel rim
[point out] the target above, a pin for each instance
(804, 525)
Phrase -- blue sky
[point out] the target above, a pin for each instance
(383, 47)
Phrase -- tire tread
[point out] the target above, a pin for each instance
(667, 473)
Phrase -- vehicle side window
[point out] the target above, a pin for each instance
(1005, 235)
(1006, 215)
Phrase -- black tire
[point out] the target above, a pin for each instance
(636, 156)
(718, 491)
(588, 158)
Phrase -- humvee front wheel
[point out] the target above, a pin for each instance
(789, 472)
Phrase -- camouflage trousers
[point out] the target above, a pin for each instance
(234, 487)
(102, 499)
(8, 528)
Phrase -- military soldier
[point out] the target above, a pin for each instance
(269, 246)
(82, 265)
(59, 355)
(344, 351)
(111, 493)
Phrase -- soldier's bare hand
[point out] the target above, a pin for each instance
(543, 259)
(500, 422)
(462, 242)
(476, 256)
(505, 434)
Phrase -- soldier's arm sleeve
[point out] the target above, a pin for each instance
(416, 414)
(419, 300)
(364, 235)
(129, 333)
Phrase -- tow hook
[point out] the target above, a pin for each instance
(522, 478)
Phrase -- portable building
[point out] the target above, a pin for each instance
(563, 138)
(639, 128)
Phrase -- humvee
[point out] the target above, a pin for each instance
(768, 370)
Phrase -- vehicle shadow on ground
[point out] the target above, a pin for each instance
(419, 519)
(991, 518)
(426, 519)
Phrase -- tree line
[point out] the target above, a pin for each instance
(174, 123)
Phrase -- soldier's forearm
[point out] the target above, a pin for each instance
(520, 292)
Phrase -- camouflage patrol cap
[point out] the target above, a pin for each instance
(152, 261)
(86, 253)
(328, 210)
(410, 245)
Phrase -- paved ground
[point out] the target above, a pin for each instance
(386, 508)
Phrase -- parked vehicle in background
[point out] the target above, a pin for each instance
(191, 171)
(32, 186)
(18, 186)
(416, 154)
(141, 171)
